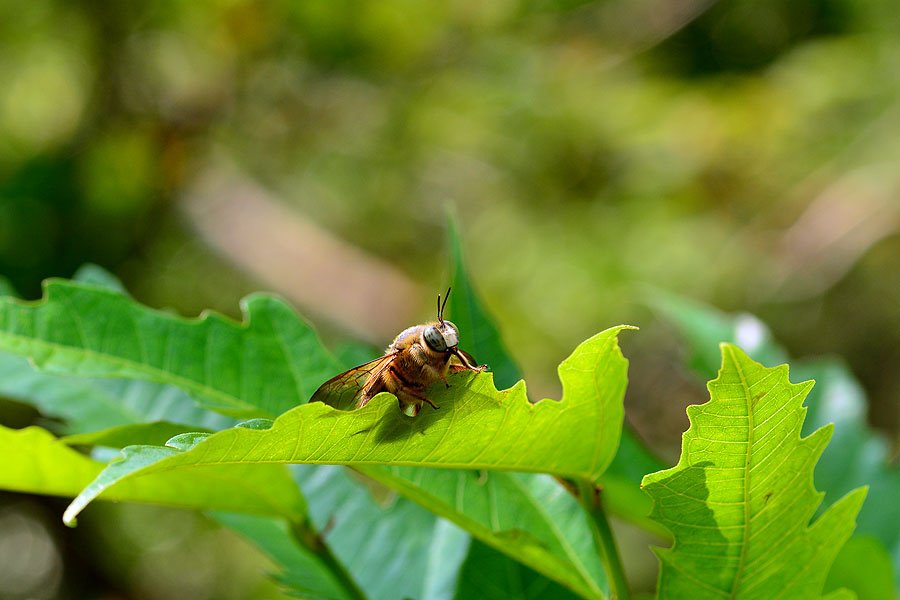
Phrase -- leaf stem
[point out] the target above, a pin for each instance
(312, 540)
(589, 496)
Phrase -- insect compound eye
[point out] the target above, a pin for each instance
(434, 339)
(450, 333)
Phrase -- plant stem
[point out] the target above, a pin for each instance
(313, 541)
(589, 496)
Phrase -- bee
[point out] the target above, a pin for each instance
(417, 358)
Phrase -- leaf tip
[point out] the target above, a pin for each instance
(73, 510)
(182, 441)
(259, 424)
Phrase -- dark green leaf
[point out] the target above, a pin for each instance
(489, 575)
(93, 404)
(301, 570)
(243, 369)
(531, 518)
(393, 547)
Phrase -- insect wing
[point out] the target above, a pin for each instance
(345, 391)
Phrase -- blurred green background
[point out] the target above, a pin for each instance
(745, 154)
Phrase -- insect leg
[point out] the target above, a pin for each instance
(468, 363)
(418, 395)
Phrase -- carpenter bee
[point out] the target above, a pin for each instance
(417, 358)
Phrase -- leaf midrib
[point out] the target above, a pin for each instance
(746, 536)
(351, 463)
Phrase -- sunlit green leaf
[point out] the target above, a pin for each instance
(34, 461)
(740, 499)
(478, 427)
(856, 455)
(531, 528)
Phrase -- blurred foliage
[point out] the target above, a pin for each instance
(588, 148)
(664, 142)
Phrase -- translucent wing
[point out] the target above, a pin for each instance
(354, 388)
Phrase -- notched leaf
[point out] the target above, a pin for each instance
(740, 500)
(478, 427)
(243, 369)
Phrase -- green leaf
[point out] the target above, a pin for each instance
(393, 547)
(477, 427)
(300, 367)
(35, 462)
(93, 404)
(531, 518)
(857, 454)
(621, 483)
(86, 405)
(740, 499)
(98, 276)
(489, 575)
(301, 570)
(865, 567)
(6, 288)
(243, 369)
(622, 479)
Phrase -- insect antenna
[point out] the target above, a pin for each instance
(441, 306)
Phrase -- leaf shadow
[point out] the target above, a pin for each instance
(395, 425)
(681, 504)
